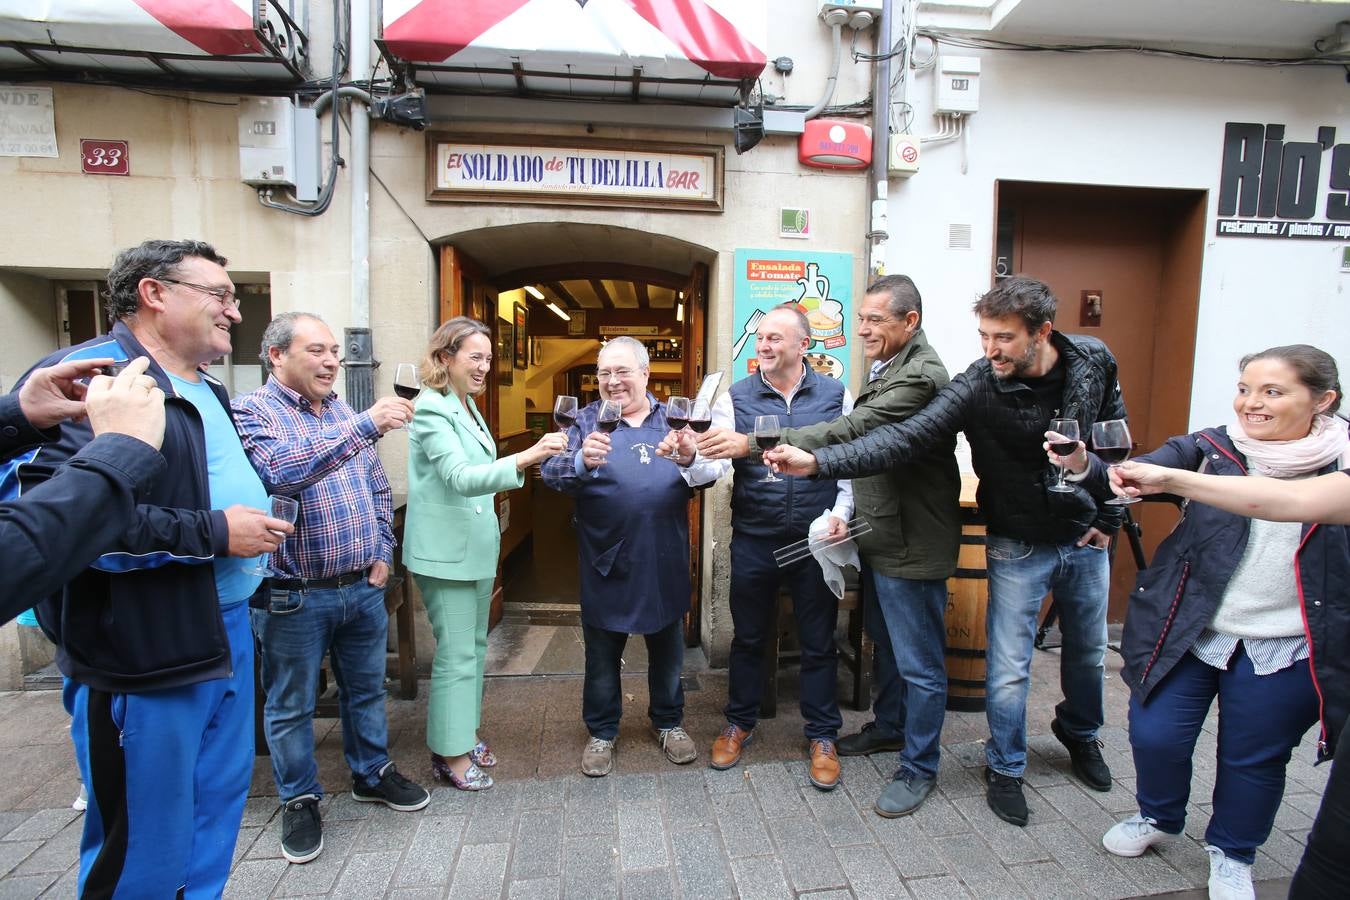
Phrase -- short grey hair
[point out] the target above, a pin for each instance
(799, 317)
(279, 333)
(638, 348)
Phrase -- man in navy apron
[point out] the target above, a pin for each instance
(632, 524)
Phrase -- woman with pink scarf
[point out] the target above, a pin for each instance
(1250, 612)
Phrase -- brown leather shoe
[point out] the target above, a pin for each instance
(824, 765)
(726, 750)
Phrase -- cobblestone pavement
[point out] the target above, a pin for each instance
(656, 830)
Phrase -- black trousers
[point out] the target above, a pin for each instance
(1321, 872)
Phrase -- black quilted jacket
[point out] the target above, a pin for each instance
(1005, 425)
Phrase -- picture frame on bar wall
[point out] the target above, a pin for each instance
(506, 345)
(521, 355)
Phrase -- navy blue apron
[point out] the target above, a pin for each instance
(632, 522)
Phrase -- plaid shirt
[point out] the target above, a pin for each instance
(328, 462)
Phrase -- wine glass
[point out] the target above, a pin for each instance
(767, 435)
(608, 419)
(565, 416)
(700, 416)
(284, 508)
(407, 383)
(677, 413)
(1067, 442)
(1111, 442)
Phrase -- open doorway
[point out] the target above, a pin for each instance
(552, 295)
(1125, 265)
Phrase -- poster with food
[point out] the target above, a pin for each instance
(821, 286)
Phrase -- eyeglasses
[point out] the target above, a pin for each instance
(621, 374)
(225, 296)
(873, 319)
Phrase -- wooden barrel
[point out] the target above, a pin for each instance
(967, 602)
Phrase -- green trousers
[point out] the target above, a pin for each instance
(459, 619)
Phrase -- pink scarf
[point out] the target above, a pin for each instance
(1326, 442)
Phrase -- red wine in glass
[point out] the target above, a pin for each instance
(1112, 456)
(606, 425)
(1111, 442)
(677, 413)
(768, 434)
(406, 391)
(699, 426)
(766, 441)
(608, 419)
(1064, 449)
(1064, 441)
(677, 423)
(700, 416)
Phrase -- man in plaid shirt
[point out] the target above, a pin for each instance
(308, 444)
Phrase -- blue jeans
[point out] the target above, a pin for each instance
(888, 707)
(1020, 575)
(1261, 719)
(755, 581)
(349, 623)
(602, 693)
(913, 610)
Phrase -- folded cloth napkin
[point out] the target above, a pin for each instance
(832, 557)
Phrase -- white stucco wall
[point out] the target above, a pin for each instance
(1118, 119)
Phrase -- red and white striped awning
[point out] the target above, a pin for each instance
(703, 50)
(204, 39)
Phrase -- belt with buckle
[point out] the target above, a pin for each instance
(320, 584)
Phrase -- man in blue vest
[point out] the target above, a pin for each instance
(766, 515)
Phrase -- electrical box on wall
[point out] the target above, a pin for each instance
(872, 6)
(903, 159)
(958, 85)
(267, 141)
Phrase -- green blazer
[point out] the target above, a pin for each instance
(451, 530)
(914, 509)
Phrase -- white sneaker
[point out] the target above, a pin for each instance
(1228, 878)
(1133, 836)
(81, 803)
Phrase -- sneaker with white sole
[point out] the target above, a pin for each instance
(301, 829)
(678, 745)
(1133, 836)
(1229, 879)
(597, 760)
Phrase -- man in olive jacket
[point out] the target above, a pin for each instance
(914, 511)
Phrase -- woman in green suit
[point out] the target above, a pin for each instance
(452, 539)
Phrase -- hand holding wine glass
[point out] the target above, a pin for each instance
(407, 382)
(1063, 438)
(285, 509)
(1111, 442)
(596, 446)
(565, 416)
(677, 413)
(700, 416)
(768, 433)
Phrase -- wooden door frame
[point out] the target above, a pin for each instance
(695, 299)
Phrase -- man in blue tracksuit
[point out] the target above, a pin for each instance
(153, 637)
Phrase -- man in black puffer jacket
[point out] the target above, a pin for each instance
(1038, 540)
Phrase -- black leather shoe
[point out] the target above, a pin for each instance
(1005, 797)
(867, 741)
(1086, 757)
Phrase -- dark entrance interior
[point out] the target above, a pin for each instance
(1125, 265)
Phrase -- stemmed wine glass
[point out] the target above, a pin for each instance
(767, 435)
(1063, 445)
(284, 508)
(700, 416)
(608, 419)
(407, 384)
(1111, 442)
(565, 416)
(677, 413)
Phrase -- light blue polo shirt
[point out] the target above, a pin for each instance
(232, 480)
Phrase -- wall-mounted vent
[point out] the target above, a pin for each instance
(958, 237)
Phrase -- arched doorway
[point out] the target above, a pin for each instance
(551, 293)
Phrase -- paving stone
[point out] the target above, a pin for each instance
(66, 886)
(635, 789)
(449, 801)
(701, 865)
(243, 842)
(943, 887)
(830, 895)
(955, 780)
(1188, 857)
(387, 829)
(536, 889)
(739, 819)
(590, 868)
(431, 853)
(540, 794)
(26, 887)
(976, 865)
(726, 781)
(1155, 875)
(909, 847)
(319, 875)
(809, 863)
(642, 838)
(1046, 881)
(938, 816)
(1074, 805)
(56, 853)
(760, 878)
(869, 872)
(969, 754)
(1099, 873)
(259, 811)
(1285, 850)
(43, 824)
(14, 852)
(538, 845)
(11, 819)
(415, 894)
(480, 872)
(366, 875)
(1013, 845)
(342, 807)
(1290, 818)
(590, 806)
(493, 820)
(838, 818)
(255, 878)
(648, 884)
(778, 791)
(686, 799)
